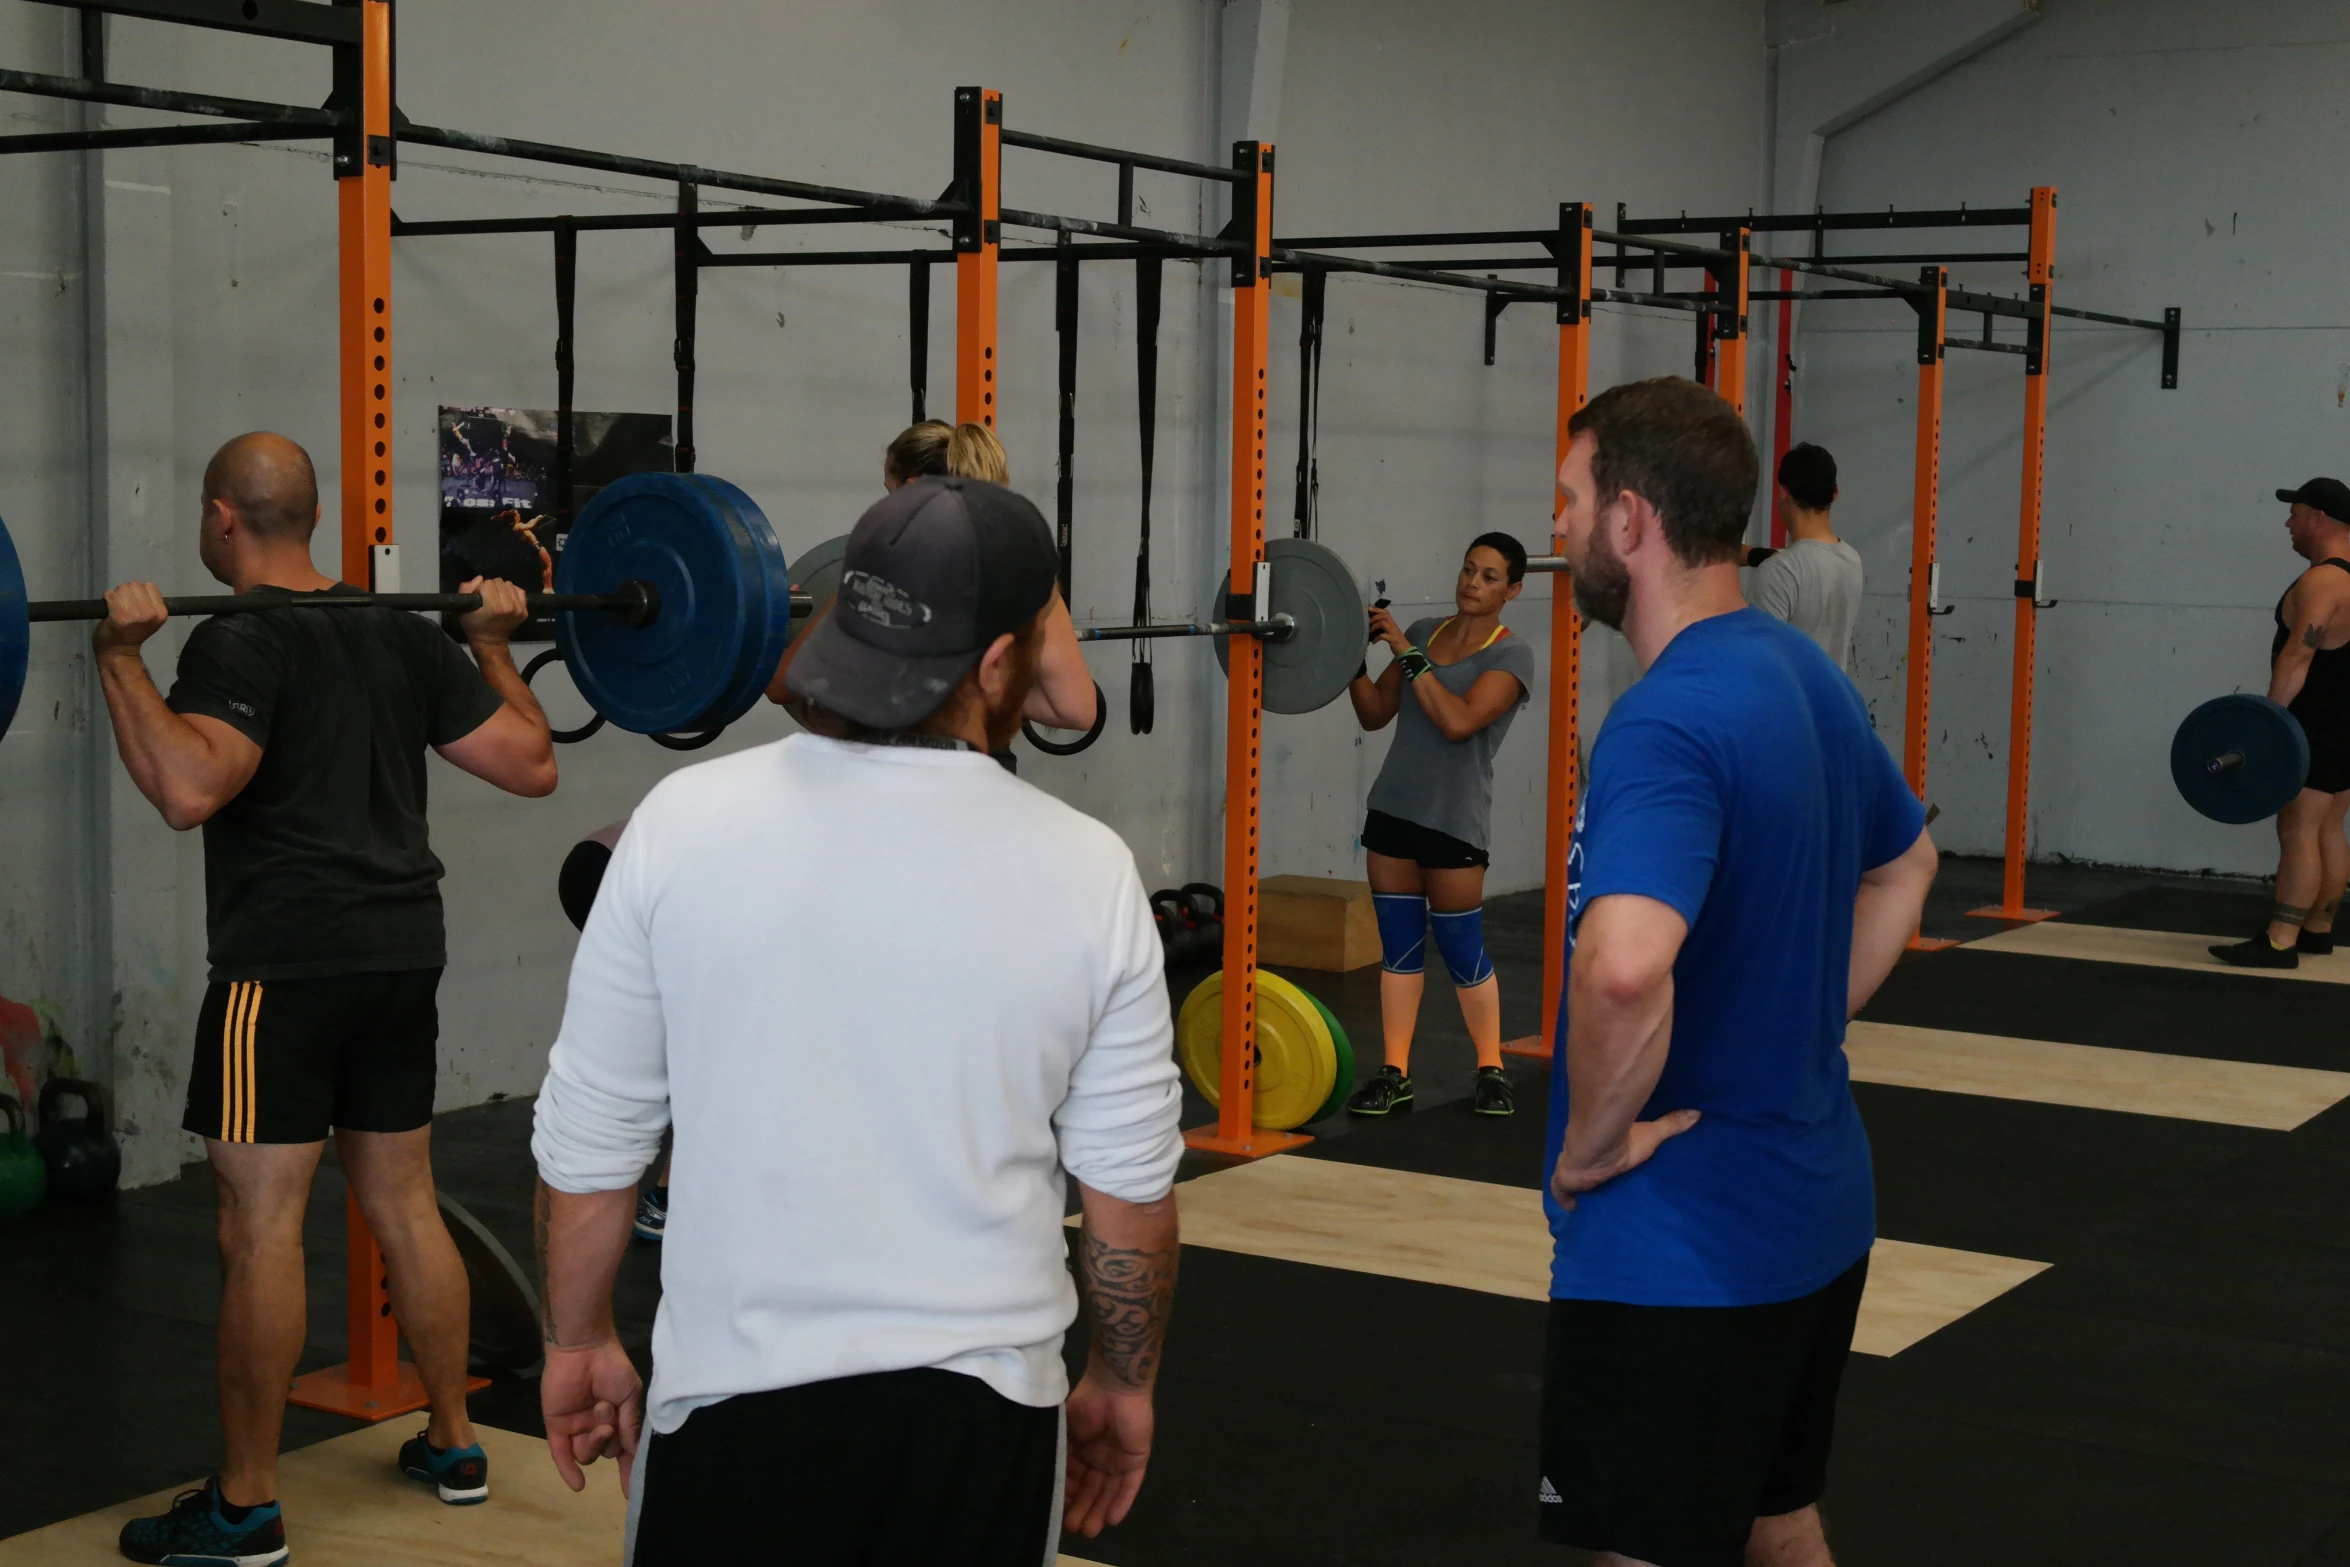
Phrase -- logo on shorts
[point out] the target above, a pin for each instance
(245, 708)
(1550, 1493)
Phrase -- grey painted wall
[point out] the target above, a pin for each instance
(2199, 155)
(216, 315)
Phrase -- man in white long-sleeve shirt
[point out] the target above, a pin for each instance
(888, 994)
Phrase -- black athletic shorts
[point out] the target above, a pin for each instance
(2329, 756)
(282, 1060)
(1667, 1430)
(1423, 846)
(920, 1468)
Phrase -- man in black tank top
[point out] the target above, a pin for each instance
(2309, 671)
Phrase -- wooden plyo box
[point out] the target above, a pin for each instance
(1316, 922)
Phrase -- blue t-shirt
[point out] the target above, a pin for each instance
(1740, 783)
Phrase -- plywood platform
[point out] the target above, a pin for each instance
(2155, 948)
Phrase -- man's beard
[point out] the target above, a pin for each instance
(1603, 588)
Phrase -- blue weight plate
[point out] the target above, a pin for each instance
(773, 623)
(2239, 758)
(666, 529)
(16, 633)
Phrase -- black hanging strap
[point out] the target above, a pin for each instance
(1142, 698)
(918, 335)
(1309, 413)
(689, 282)
(566, 297)
(1065, 326)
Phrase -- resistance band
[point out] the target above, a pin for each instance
(918, 336)
(1065, 327)
(689, 274)
(1141, 695)
(566, 294)
(1309, 414)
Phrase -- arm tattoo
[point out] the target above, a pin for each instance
(2291, 913)
(2313, 635)
(2326, 909)
(541, 1212)
(1128, 1293)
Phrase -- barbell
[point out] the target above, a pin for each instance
(673, 605)
(2239, 758)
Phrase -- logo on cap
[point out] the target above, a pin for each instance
(883, 602)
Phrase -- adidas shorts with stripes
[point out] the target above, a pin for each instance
(284, 1060)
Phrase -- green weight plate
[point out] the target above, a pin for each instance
(1297, 1060)
(1346, 1060)
(16, 632)
(680, 536)
(815, 571)
(1313, 666)
(2239, 758)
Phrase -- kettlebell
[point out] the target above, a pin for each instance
(23, 1181)
(82, 1159)
(1171, 912)
(1207, 912)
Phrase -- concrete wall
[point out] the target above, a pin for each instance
(216, 315)
(2198, 154)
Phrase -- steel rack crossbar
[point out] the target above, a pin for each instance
(741, 217)
(83, 90)
(1119, 156)
(1799, 222)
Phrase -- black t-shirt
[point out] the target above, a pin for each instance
(322, 865)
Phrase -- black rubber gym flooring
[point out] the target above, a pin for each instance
(2171, 1390)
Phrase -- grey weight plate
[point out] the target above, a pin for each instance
(815, 571)
(506, 1334)
(1313, 666)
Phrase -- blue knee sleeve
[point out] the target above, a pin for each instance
(1403, 931)
(1461, 938)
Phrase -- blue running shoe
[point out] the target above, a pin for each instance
(195, 1533)
(652, 1212)
(461, 1475)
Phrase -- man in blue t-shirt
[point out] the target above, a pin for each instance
(1747, 867)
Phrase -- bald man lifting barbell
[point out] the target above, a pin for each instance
(296, 741)
(2309, 672)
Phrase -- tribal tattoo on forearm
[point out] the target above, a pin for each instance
(542, 1210)
(1128, 1294)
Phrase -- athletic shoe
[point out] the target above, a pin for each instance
(652, 1212)
(1389, 1091)
(2317, 943)
(195, 1533)
(460, 1474)
(1493, 1095)
(2257, 953)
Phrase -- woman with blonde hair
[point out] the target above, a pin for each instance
(1065, 696)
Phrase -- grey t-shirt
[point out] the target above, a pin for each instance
(1448, 784)
(1814, 586)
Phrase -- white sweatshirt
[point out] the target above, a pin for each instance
(888, 995)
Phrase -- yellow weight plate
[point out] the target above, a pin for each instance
(1297, 1061)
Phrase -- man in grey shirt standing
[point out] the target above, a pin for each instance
(1814, 583)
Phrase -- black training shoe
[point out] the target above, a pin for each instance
(196, 1534)
(1389, 1091)
(2317, 943)
(652, 1213)
(2257, 953)
(1493, 1096)
(461, 1475)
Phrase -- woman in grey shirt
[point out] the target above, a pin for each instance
(1451, 690)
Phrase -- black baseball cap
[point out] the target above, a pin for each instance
(935, 571)
(2330, 496)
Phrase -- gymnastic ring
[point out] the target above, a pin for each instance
(693, 742)
(1101, 718)
(554, 655)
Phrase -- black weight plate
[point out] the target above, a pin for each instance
(664, 529)
(505, 1333)
(816, 572)
(761, 654)
(2239, 758)
(16, 631)
(1312, 668)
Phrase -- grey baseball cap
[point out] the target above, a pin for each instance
(934, 572)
